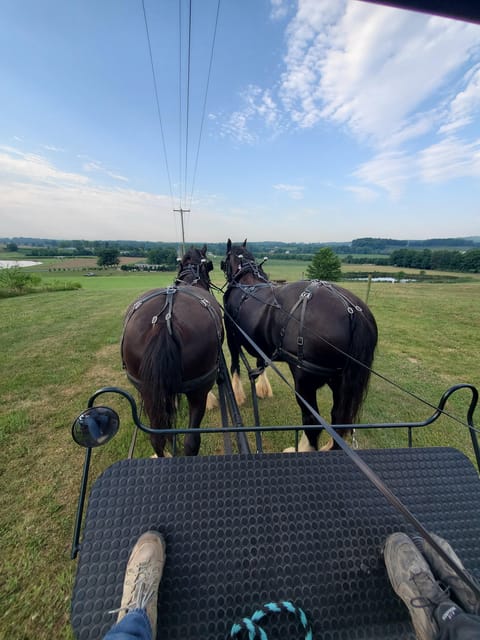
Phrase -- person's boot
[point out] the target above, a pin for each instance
(412, 579)
(142, 577)
(465, 596)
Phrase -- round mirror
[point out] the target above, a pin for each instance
(95, 426)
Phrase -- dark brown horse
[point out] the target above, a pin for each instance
(172, 340)
(325, 333)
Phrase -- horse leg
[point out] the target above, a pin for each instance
(237, 386)
(197, 403)
(158, 444)
(341, 414)
(306, 386)
(262, 385)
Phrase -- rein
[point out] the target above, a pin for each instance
(365, 468)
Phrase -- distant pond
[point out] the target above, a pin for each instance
(6, 264)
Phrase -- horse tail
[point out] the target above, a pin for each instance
(356, 373)
(161, 375)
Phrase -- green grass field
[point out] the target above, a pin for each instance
(58, 348)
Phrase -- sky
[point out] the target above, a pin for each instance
(299, 120)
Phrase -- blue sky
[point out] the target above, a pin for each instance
(325, 120)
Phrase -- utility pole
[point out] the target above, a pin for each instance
(181, 212)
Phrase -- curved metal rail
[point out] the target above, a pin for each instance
(227, 399)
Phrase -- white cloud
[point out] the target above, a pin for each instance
(39, 199)
(369, 67)
(34, 167)
(364, 194)
(259, 111)
(295, 192)
(451, 158)
(279, 9)
(389, 170)
(446, 160)
(95, 166)
(465, 105)
(49, 210)
(50, 147)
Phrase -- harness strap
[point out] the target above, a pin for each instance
(187, 385)
(249, 291)
(282, 355)
(303, 299)
(169, 292)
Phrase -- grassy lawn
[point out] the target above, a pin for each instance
(58, 348)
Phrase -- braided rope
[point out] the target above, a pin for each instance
(254, 630)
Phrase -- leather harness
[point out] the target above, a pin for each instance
(281, 354)
(169, 293)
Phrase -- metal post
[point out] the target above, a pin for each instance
(181, 212)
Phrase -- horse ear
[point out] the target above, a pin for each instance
(244, 243)
(229, 245)
(204, 249)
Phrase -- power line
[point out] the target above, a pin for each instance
(205, 102)
(184, 115)
(188, 96)
(180, 104)
(157, 101)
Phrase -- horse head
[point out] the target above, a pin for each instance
(239, 261)
(194, 267)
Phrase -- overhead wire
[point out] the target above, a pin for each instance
(187, 108)
(186, 185)
(202, 120)
(157, 100)
(180, 104)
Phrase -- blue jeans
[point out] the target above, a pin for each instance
(134, 626)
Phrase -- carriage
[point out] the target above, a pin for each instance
(252, 528)
(249, 529)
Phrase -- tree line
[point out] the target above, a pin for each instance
(426, 260)
(431, 254)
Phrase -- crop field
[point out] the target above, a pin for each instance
(59, 347)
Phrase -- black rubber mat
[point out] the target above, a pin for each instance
(242, 531)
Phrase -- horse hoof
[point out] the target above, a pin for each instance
(328, 446)
(304, 445)
(212, 402)
(263, 388)
(289, 450)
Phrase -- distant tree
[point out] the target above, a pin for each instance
(471, 261)
(11, 246)
(162, 255)
(325, 265)
(108, 257)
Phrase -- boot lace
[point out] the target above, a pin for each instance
(434, 592)
(142, 591)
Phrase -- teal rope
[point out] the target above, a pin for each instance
(254, 630)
